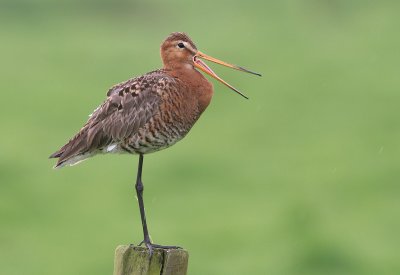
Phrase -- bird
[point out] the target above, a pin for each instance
(149, 113)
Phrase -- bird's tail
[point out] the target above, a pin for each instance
(73, 151)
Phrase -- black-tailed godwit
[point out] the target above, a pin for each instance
(149, 113)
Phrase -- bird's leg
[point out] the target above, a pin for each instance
(139, 191)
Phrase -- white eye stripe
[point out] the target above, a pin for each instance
(185, 45)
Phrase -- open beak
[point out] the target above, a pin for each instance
(198, 63)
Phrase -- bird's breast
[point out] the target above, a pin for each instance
(182, 105)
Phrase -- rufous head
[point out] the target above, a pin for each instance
(179, 52)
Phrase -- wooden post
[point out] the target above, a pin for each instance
(134, 260)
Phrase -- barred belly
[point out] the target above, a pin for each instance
(152, 139)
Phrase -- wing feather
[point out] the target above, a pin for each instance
(129, 106)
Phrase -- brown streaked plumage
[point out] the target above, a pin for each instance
(148, 113)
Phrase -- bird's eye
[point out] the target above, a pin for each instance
(181, 45)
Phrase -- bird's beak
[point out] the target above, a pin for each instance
(198, 63)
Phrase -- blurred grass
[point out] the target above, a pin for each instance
(301, 179)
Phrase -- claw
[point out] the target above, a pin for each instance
(166, 246)
(150, 246)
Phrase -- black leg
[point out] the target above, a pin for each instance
(139, 191)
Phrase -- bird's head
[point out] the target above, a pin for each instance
(179, 51)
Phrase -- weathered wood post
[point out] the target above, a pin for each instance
(134, 260)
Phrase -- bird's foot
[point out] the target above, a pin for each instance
(151, 246)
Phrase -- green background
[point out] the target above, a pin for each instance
(303, 178)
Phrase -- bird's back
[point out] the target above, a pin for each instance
(141, 115)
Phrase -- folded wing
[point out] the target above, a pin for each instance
(129, 106)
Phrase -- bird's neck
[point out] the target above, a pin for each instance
(178, 69)
(198, 85)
